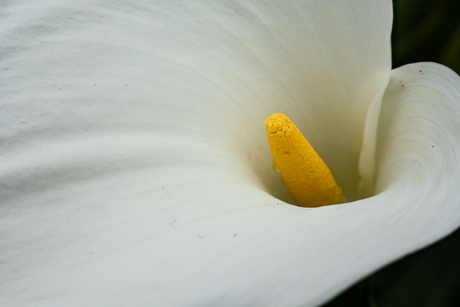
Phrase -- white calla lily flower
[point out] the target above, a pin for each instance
(136, 171)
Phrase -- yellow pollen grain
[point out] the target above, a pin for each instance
(307, 177)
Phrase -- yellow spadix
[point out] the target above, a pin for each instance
(307, 177)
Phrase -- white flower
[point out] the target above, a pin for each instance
(135, 169)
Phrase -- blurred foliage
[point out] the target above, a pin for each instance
(426, 30)
(428, 278)
(423, 30)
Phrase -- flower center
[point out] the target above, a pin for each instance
(307, 177)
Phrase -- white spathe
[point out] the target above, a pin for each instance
(135, 169)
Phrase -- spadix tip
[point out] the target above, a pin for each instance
(279, 125)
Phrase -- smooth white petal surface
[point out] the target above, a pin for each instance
(134, 153)
(204, 71)
(236, 245)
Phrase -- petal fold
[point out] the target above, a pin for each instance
(419, 149)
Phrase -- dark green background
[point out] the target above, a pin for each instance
(423, 30)
(426, 30)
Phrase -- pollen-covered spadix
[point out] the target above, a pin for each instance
(307, 177)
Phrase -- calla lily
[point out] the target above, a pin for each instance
(135, 167)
